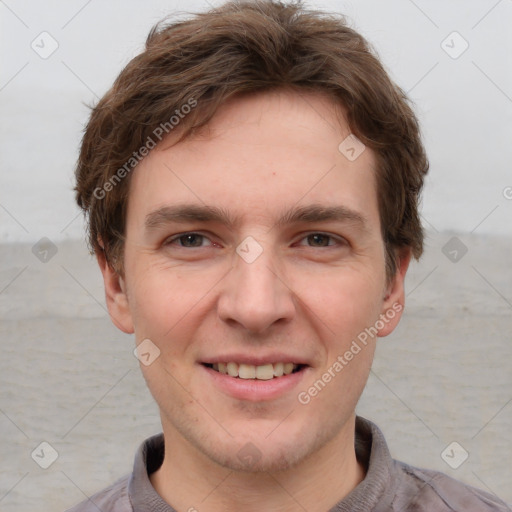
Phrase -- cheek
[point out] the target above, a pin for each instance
(169, 303)
(156, 300)
(346, 300)
(156, 288)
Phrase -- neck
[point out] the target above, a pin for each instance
(315, 484)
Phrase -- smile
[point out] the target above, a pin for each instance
(249, 371)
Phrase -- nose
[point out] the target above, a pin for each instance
(254, 296)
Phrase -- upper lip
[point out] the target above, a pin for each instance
(256, 360)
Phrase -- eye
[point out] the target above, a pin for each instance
(188, 240)
(321, 240)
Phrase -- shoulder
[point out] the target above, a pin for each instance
(112, 499)
(426, 490)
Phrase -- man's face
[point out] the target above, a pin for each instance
(285, 264)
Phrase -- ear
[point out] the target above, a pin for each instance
(115, 295)
(394, 299)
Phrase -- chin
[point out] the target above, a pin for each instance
(261, 453)
(249, 459)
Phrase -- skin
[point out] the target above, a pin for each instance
(195, 297)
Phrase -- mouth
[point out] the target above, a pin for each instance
(255, 377)
(269, 371)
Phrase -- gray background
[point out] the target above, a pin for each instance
(70, 379)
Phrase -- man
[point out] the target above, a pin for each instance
(251, 182)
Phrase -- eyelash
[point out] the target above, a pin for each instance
(183, 235)
(339, 240)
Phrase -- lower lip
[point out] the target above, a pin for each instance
(253, 389)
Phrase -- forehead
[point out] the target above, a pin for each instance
(259, 156)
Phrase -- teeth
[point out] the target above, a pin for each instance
(278, 369)
(264, 372)
(249, 371)
(232, 369)
(287, 368)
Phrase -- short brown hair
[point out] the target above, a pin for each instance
(238, 48)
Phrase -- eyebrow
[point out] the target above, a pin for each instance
(202, 213)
